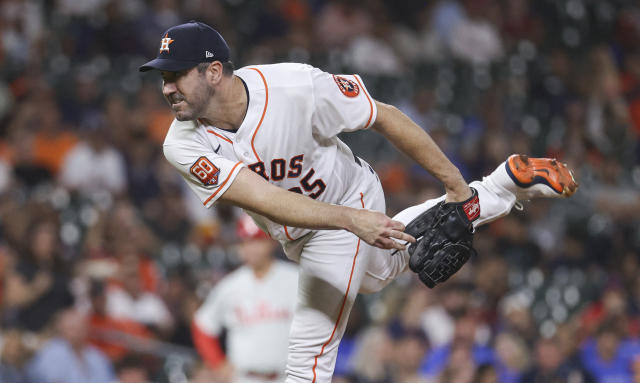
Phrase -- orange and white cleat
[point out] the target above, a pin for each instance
(540, 177)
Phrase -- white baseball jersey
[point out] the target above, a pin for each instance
(257, 315)
(289, 137)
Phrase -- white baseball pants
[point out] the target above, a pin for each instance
(335, 265)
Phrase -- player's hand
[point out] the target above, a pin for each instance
(378, 230)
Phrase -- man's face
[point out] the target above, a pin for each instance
(256, 252)
(187, 92)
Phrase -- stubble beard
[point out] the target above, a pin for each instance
(196, 104)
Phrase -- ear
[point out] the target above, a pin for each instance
(214, 72)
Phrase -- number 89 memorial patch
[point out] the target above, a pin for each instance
(205, 171)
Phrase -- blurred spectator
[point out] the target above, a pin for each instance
(515, 311)
(603, 355)
(373, 53)
(113, 336)
(415, 39)
(410, 346)
(552, 366)
(439, 317)
(372, 359)
(51, 142)
(152, 118)
(463, 350)
(128, 300)
(106, 171)
(130, 370)
(37, 143)
(519, 23)
(118, 120)
(67, 357)
(491, 279)
(142, 180)
(166, 217)
(613, 194)
(475, 39)
(486, 373)
(421, 109)
(460, 366)
(124, 232)
(547, 363)
(446, 16)
(38, 285)
(512, 356)
(86, 109)
(608, 124)
(568, 341)
(182, 301)
(340, 21)
(13, 356)
(26, 173)
(21, 26)
(410, 314)
(611, 308)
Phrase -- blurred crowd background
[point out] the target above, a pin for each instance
(104, 250)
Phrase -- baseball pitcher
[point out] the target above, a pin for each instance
(265, 138)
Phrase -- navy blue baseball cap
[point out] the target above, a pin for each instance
(187, 45)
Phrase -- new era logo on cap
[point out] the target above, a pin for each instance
(182, 48)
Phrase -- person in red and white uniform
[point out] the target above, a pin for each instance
(255, 304)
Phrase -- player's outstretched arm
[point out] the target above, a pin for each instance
(251, 192)
(407, 136)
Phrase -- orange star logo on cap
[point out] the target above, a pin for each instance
(164, 44)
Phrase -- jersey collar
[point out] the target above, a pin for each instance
(258, 101)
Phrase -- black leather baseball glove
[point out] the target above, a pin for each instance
(444, 237)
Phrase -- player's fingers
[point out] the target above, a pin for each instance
(397, 225)
(383, 243)
(391, 244)
(402, 236)
(398, 246)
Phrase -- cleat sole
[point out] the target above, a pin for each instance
(527, 172)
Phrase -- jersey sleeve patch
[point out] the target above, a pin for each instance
(346, 86)
(204, 170)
